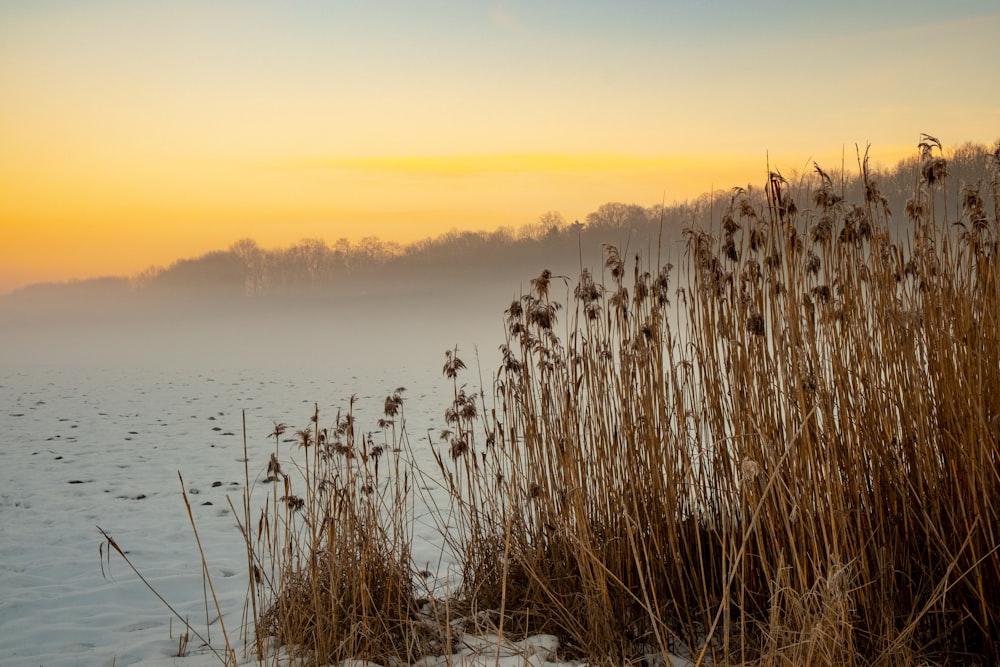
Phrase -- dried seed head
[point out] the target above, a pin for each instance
(305, 438)
(515, 311)
(394, 403)
(916, 209)
(927, 145)
(848, 235)
(822, 293)
(587, 290)
(294, 503)
(274, 467)
(452, 364)
(540, 285)
(614, 262)
(972, 203)
(459, 446)
(786, 205)
(934, 170)
(729, 225)
(543, 314)
(729, 249)
(822, 231)
(813, 264)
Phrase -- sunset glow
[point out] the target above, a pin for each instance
(138, 133)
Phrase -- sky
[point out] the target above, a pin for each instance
(135, 133)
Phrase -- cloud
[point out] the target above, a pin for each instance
(473, 165)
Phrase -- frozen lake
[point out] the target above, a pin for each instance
(89, 439)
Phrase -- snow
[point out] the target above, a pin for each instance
(101, 444)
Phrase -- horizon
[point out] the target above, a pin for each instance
(138, 134)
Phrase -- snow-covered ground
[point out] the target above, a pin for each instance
(94, 430)
(86, 446)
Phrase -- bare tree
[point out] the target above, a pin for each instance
(616, 215)
(254, 262)
(549, 225)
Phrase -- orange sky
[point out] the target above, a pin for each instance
(137, 133)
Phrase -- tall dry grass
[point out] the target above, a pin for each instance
(787, 455)
(329, 552)
(789, 458)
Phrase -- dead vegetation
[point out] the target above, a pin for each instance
(787, 455)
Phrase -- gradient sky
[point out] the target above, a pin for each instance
(135, 133)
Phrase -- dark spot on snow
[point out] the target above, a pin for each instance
(216, 428)
(58, 458)
(141, 496)
(216, 484)
(207, 502)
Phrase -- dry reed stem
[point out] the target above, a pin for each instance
(789, 458)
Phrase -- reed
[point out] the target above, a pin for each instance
(789, 456)
(329, 552)
(786, 454)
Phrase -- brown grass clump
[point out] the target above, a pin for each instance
(789, 456)
(331, 571)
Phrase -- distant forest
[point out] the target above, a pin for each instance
(371, 266)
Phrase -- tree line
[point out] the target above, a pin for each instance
(315, 266)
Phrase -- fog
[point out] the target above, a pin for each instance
(386, 330)
(310, 305)
(314, 303)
